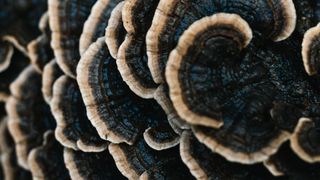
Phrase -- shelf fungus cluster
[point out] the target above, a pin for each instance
(160, 89)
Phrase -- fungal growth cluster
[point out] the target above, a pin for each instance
(160, 89)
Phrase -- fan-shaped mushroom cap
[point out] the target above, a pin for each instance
(117, 113)
(40, 52)
(17, 64)
(29, 116)
(46, 161)
(115, 32)
(6, 52)
(140, 160)
(66, 23)
(161, 138)
(221, 31)
(305, 141)
(275, 19)
(247, 147)
(310, 50)
(39, 49)
(286, 162)
(132, 59)
(51, 72)
(73, 130)
(96, 23)
(94, 165)
(204, 164)
(11, 170)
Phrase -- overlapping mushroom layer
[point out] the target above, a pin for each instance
(160, 89)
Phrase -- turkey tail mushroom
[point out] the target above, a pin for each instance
(46, 161)
(115, 32)
(92, 165)
(39, 50)
(18, 62)
(310, 50)
(131, 59)
(73, 130)
(305, 141)
(117, 113)
(221, 32)
(96, 23)
(140, 161)
(275, 19)
(51, 72)
(204, 164)
(11, 170)
(66, 23)
(286, 163)
(29, 116)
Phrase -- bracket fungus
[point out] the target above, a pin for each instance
(74, 129)
(276, 19)
(95, 25)
(132, 58)
(51, 72)
(17, 63)
(286, 163)
(46, 161)
(91, 165)
(39, 50)
(305, 141)
(66, 18)
(117, 113)
(29, 115)
(115, 32)
(140, 161)
(200, 160)
(10, 167)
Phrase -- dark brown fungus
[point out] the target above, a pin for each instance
(6, 52)
(185, 75)
(73, 130)
(117, 113)
(66, 23)
(115, 32)
(161, 138)
(29, 116)
(39, 50)
(132, 60)
(94, 165)
(244, 144)
(310, 50)
(11, 170)
(204, 164)
(139, 160)
(51, 72)
(46, 161)
(275, 19)
(95, 25)
(286, 163)
(305, 141)
(17, 64)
